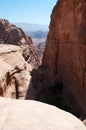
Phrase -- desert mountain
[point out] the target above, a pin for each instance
(38, 34)
(61, 79)
(31, 26)
(10, 34)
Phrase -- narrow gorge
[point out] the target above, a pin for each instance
(60, 78)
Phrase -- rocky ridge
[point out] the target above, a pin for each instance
(65, 53)
(10, 34)
(14, 72)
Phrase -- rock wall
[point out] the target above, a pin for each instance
(14, 72)
(65, 52)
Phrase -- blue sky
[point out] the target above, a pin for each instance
(30, 11)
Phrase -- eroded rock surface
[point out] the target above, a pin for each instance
(84, 122)
(64, 64)
(10, 34)
(21, 114)
(14, 72)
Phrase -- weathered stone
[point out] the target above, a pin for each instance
(84, 122)
(65, 51)
(14, 72)
(10, 34)
(20, 115)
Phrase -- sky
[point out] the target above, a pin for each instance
(27, 11)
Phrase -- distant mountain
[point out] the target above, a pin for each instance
(38, 34)
(32, 27)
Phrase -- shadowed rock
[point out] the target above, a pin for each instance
(64, 58)
(65, 52)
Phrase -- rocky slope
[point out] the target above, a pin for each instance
(20, 115)
(65, 52)
(14, 72)
(10, 34)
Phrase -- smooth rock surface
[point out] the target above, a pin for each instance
(33, 115)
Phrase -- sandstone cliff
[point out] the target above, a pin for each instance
(32, 115)
(14, 72)
(10, 34)
(65, 52)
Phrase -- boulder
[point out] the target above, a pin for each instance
(33, 115)
(14, 72)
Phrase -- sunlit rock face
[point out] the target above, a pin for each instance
(10, 34)
(65, 52)
(14, 72)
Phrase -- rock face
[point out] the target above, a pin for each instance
(65, 52)
(10, 34)
(14, 72)
(20, 115)
(84, 122)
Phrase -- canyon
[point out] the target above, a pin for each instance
(63, 66)
(59, 79)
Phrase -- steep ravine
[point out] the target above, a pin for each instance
(62, 75)
(61, 79)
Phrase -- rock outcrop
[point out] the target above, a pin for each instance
(10, 34)
(65, 52)
(84, 122)
(20, 115)
(14, 72)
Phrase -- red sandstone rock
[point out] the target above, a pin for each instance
(33, 115)
(65, 52)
